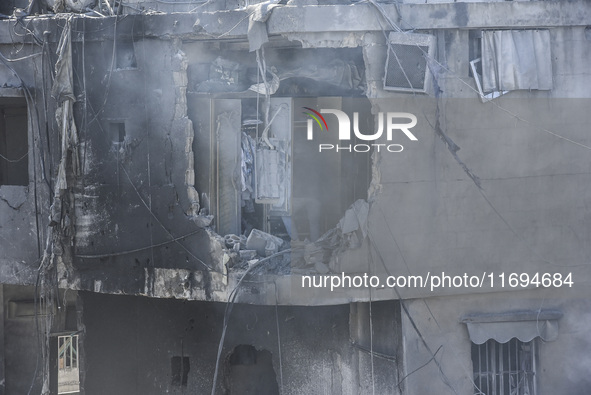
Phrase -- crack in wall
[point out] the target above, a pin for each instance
(12, 204)
(180, 79)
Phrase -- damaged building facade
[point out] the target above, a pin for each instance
(241, 197)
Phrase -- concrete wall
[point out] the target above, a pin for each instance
(562, 364)
(138, 192)
(20, 345)
(529, 214)
(137, 195)
(129, 343)
(528, 151)
(23, 335)
(22, 220)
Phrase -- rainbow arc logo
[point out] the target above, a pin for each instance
(315, 117)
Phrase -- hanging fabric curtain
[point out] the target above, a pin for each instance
(516, 59)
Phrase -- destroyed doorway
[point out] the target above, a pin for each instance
(250, 372)
(233, 153)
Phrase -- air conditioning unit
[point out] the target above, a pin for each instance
(406, 63)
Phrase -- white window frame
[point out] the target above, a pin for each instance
(70, 344)
(484, 97)
(68, 363)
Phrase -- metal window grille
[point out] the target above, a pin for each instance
(504, 368)
(68, 352)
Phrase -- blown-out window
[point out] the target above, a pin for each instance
(508, 60)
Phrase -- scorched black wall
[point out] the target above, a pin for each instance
(130, 344)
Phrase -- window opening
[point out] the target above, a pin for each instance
(180, 370)
(14, 145)
(504, 368)
(125, 55)
(250, 371)
(117, 131)
(68, 379)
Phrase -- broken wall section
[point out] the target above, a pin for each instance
(138, 210)
(24, 192)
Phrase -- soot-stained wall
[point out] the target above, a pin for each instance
(22, 335)
(22, 219)
(130, 341)
(136, 191)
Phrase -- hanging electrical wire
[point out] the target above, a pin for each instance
(228, 312)
(172, 237)
(278, 338)
(111, 68)
(14, 160)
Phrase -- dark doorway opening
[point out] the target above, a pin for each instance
(180, 367)
(250, 372)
